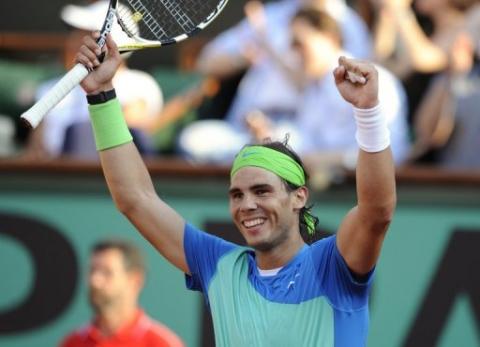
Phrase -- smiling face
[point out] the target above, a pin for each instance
(263, 210)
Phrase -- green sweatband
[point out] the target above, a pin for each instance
(269, 159)
(109, 126)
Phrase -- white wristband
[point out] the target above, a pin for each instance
(372, 131)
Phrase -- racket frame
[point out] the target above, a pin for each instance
(33, 116)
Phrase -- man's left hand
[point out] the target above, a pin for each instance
(360, 95)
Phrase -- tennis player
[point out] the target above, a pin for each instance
(279, 291)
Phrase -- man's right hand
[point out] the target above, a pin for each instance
(100, 79)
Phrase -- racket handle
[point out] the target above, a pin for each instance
(35, 114)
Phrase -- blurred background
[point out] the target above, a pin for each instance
(260, 70)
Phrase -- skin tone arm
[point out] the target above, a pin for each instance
(435, 116)
(179, 105)
(255, 14)
(423, 55)
(362, 231)
(127, 177)
(253, 44)
(434, 120)
(35, 148)
(221, 65)
(385, 36)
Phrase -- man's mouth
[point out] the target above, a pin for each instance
(252, 223)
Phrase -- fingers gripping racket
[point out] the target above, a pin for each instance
(149, 24)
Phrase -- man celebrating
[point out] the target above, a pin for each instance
(115, 280)
(279, 292)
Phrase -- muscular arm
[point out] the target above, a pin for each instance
(127, 177)
(134, 195)
(362, 231)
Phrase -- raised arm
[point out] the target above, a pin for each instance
(422, 53)
(361, 233)
(225, 56)
(127, 177)
(240, 46)
(258, 21)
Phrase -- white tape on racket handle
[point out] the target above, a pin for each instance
(72, 78)
(355, 78)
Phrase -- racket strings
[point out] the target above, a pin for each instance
(176, 11)
(127, 21)
(163, 20)
(141, 20)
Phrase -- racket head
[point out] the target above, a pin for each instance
(154, 23)
(149, 23)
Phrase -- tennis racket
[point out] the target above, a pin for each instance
(149, 23)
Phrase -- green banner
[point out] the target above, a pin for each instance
(426, 292)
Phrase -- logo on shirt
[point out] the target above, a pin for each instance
(291, 283)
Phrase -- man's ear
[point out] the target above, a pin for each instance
(300, 198)
(139, 278)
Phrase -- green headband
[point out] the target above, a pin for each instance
(269, 159)
(277, 162)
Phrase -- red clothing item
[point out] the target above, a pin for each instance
(141, 332)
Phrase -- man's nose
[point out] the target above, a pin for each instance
(249, 202)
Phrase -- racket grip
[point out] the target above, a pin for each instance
(35, 114)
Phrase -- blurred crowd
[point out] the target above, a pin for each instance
(270, 77)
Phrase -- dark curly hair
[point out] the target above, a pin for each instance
(284, 148)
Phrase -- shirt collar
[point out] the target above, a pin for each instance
(290, 264)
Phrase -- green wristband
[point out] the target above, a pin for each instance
(109, 126)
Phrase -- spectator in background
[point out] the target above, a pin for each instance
(324, 120)
(237, 50)
(417, 51)
(115, 280)
(428, 65)
(473, 25)
(229, 52)
(321, 116)
(449, 126)
(66, 129)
